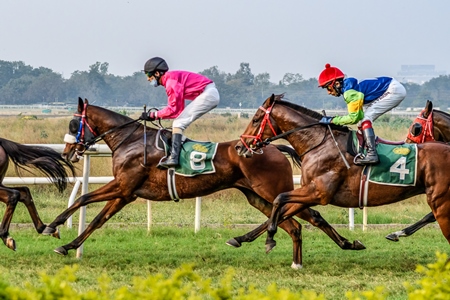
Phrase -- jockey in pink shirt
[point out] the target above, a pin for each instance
(180, 86)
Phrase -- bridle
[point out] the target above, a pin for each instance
(257, 139)
(424, 126)
(87, 138)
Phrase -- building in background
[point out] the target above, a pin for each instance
(418, 73)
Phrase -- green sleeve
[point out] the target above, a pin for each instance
(355, 101)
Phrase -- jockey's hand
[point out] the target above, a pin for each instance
(326, 120)
(147, 116)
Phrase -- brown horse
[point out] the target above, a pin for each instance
(24, 157)
(430, 125)
(325, 177)
(136, 175)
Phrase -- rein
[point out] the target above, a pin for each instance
(282, 135)
(96, 138)
(101, 136)
(258, 142)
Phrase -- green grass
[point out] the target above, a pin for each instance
(125, 252)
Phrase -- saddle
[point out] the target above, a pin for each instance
(356, 145)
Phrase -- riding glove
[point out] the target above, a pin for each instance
(148, 116)
(326, 120)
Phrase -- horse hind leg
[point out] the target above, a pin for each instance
(314, 218)
(27, 200)
(10, 198)
(429, 218)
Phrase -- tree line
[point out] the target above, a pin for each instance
(21, 84)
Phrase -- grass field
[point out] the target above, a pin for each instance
(124, 248)
(125, 252)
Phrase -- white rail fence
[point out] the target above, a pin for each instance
(103, 150)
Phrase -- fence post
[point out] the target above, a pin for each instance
(84, 190)
(72, 199)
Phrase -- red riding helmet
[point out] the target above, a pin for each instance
(330, 74)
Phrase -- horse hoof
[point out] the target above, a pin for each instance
(10, 243)
(61, 251)
(357, 245)
(296, 266)
(270, 246)
(233, 243)
(54, 232)
(392, 237)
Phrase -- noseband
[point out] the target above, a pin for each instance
(425, 126)
(257, 139)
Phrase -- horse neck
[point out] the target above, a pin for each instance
(103, 121)
(441, 126)
(302, 140)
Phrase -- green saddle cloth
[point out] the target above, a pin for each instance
(398, 164)
(196, 158)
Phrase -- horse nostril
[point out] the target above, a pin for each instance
(237, 147)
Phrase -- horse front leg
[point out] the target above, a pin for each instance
(291, 226)
(281, 211)
(108, 192)
(429, 218)
(109, 210)
(10, 197)
(27, 200)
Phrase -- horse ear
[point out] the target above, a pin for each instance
(80, 104)
(86, 101)
(428, 109)
(272, 98)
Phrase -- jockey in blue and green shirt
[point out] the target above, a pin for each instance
(366, 101)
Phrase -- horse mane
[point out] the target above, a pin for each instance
(303, 110)
(116, 114)
(442, 112)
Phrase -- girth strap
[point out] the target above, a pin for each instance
(364, 187)
(172, 185)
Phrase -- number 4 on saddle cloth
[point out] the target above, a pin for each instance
(195, 157)
(398, 162)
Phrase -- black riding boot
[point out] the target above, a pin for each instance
(372, 155)
(173, 159)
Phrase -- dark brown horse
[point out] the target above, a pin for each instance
(25, 157)
(136, 175)
(430, 125)
(325, 177)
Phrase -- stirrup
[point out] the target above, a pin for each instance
(167, 163)
(359, 157)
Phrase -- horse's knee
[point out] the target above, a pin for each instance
(14, 198)
(317, 218)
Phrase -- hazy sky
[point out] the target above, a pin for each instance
(364, 38)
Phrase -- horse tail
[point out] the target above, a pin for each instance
(45, 159)
(289, 150)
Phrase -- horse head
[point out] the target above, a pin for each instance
(91, 124)
(277, 119)
(421, 130)
(252, 139)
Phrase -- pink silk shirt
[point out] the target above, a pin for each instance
(180, 86)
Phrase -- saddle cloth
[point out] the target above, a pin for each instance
(398, 163)
(195, 157)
